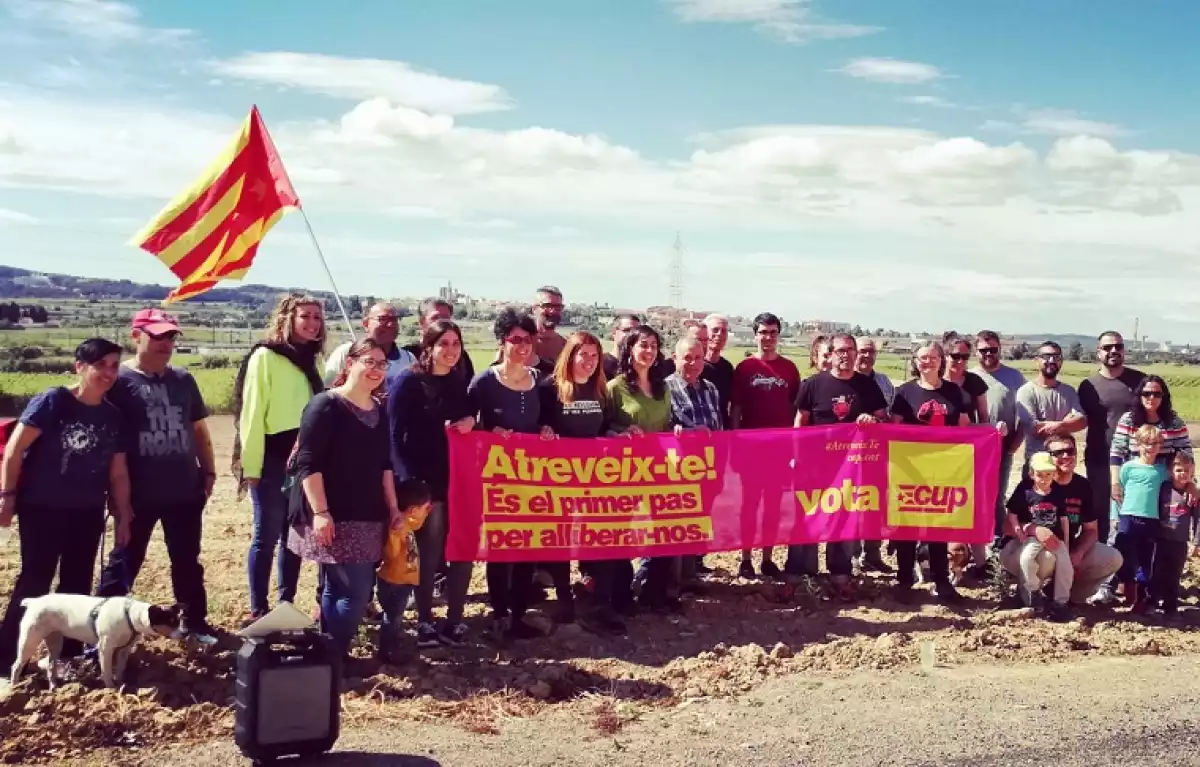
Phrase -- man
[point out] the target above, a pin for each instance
(622, 324)
(838, 395)
(430, 311)
(1003, 383)
(171, 468)
(1093, 562)
(547, 312)
(1047, 407)
(763, 396)
(1105, 397)
(867, 354)
(717, 369)
(695, 405)
(382, 327)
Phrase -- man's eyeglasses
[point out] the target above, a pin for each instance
(843, 352)
(387, 319)
(988, 350)
(1051, 357)
(1112, 348)
(959, 357)
(170, 335)
(1062, 451)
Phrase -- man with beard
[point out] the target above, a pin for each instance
(622, 324)
(382, 326)
(1003, 383)
(867, 354)
(838, 395)
(432, 310)
(548, 344)
(1105, 397)
(1047, 407)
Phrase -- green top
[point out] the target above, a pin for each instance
(273, 399)
(639, 409)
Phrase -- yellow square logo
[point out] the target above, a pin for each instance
(931, 484)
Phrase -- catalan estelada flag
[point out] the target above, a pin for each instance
(211, 231)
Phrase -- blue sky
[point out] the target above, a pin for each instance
(919, 165)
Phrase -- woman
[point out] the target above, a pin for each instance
(642, 404)
(343, 464)
(273, 386)
(506, 400)
(820, 355)
(575, 404)
(424, 404)
(958, 353)
(927, 400)
(1151, 405)
(64, 458)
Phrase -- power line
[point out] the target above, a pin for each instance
(676, 273)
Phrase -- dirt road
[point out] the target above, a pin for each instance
(1059, 714)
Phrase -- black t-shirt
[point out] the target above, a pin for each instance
(720, 374)
(1077, 497)
(586, 417)
(833, 400)
(1042, 510)
(1104, 401)
(924, 407)
(349, 449)
(972, 388)
(465, 367)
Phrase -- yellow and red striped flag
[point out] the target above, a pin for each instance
(211, 231)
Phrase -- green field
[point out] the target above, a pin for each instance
(217, 384)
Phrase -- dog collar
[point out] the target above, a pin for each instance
(94, 615)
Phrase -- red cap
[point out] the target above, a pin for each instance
(156, 322)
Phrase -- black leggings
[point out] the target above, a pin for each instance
(906, 557)
(510, 585)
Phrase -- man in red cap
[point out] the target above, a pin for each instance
(171, 467)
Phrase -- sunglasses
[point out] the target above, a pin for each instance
(518, 340)
(986, 350)
(960, 357)
(1153, 393)
(1064, 451)
(551, 306)
(1112, 348)
(170, 335)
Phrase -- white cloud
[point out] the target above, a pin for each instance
(892, 71)
(1062, 122)
(358, 79)
(103, 21)
(927, 101)
(8, 216)
(792, 21)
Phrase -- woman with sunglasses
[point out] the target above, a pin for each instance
(927, 399)
(505, 397)
(958, 353)
(1151, 405)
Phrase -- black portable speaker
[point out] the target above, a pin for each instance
(288, 686)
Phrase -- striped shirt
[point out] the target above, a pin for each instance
(1124, 447)
(694, 407)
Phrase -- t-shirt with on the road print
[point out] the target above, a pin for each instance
(765, 392)
(67, 466)
(928, 407)
(160, 412)
(833, 400)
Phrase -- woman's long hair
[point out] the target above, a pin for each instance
(358, 349)
(564, 370)
(282, 322)
(1166, 411)
(814, 352)
(658, 387)
(914, 370)
(429, 340)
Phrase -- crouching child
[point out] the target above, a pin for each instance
(1037, 514)
(399, 572)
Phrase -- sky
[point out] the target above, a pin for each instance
(1024, 166)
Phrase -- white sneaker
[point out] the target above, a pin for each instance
(1103, 596)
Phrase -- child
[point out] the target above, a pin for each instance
(1171, 550)
(1037, 513)
(400, 573)
(1138, 527)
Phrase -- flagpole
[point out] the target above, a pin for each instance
(336, 295)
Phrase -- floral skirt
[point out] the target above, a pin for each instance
(352, 542)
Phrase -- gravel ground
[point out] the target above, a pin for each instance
(1057, 714)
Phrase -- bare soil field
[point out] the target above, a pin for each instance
(732, 643)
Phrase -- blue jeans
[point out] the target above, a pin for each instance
(270, 533)
(344, 601)
(1136, 539)
(393, 598)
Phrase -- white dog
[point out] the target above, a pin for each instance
(113, 625)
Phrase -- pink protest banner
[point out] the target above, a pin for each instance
(528, 499)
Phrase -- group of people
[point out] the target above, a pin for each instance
(345, 458)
